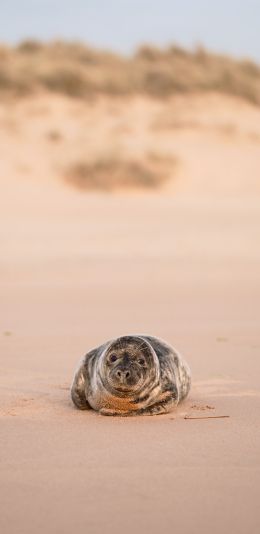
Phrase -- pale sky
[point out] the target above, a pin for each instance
(231, 26)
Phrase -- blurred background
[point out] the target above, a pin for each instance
(129, 174)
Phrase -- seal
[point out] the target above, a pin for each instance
(131, 375)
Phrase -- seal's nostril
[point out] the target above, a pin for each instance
(122, 375)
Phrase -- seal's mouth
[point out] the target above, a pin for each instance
(124, 385)
(126, 377)
(123, 389)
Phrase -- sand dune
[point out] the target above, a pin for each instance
(180, 141)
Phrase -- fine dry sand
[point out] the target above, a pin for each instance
(77, 268)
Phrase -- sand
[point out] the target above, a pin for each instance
(79, 268)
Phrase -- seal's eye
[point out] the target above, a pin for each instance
(141, 361)
(113, 358)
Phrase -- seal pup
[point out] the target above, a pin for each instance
(131, 375)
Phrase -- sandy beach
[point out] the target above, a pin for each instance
(78, 268)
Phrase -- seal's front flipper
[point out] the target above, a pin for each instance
(156, 409)
(78, 389)
(160, 407)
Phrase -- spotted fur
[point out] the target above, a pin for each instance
(131, 375)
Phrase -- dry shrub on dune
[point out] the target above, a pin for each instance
(110, 173)
(79, 71)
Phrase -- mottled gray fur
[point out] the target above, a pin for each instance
(131, 375)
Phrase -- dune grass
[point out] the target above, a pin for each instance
(111, 173)
(79, 71)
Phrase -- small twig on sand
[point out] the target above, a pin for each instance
(207, 417)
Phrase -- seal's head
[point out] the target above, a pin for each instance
(129, 364)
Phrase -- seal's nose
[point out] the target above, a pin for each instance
(122, 375)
